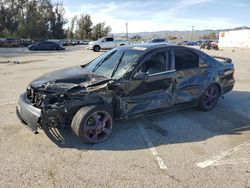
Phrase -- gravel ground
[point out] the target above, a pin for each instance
(186, 148)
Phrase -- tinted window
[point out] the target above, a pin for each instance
(159, 40)
(109, 39)
(185, 59)
(156, 63)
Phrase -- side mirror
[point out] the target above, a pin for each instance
(140, 76)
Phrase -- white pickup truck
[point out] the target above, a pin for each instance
(106, 43)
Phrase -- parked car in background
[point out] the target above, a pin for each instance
(9, 42)
(84, 42)
(46, 45)
(126, 82)
(64, 43)
(25, 42)
(191, 43)
(199, 42)
(182, 43)
(157, 41)
(106, 43)
(209, 45)
(74, 42)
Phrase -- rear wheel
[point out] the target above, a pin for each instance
(93, 124)
(96, 48)
(209, 98)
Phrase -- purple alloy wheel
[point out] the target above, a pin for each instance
(210, 97)
(98, 126)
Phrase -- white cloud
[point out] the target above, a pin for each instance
(183, 4)
(143, 16)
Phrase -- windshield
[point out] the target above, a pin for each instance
(115, 63)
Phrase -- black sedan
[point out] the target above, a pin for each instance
(46, 45)
(126, 82)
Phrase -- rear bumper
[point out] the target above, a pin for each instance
(27, 113)
(228, 86)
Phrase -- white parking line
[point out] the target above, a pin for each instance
(215, 159)
(232, 162)
(152, 148)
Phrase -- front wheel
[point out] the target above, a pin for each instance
(93, 124)
(209, 98)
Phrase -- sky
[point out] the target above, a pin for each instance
(159, 15)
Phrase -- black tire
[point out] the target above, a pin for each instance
(209, 98)
(96, 48)
(86, 126)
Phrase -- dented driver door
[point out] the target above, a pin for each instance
(154, 91)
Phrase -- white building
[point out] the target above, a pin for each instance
(235, 38)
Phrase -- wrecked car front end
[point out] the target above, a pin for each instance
(54, 103)
(27, 113)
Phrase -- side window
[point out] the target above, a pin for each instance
(110, 39)
(156, 63)
(185, 59)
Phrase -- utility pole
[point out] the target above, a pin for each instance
(192, 33)
(127, 30)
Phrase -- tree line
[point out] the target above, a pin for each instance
(41, 19)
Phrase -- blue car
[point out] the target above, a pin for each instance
(46, 45)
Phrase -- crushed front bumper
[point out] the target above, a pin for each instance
(27, 113)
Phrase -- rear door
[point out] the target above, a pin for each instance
(191, 73)
(155, 92)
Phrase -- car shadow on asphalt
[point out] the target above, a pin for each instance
(229, 117)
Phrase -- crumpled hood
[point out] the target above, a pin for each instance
(72, 76)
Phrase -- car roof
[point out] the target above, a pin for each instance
(152, 46)
(147, 47)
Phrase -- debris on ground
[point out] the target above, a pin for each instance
(10, 62)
